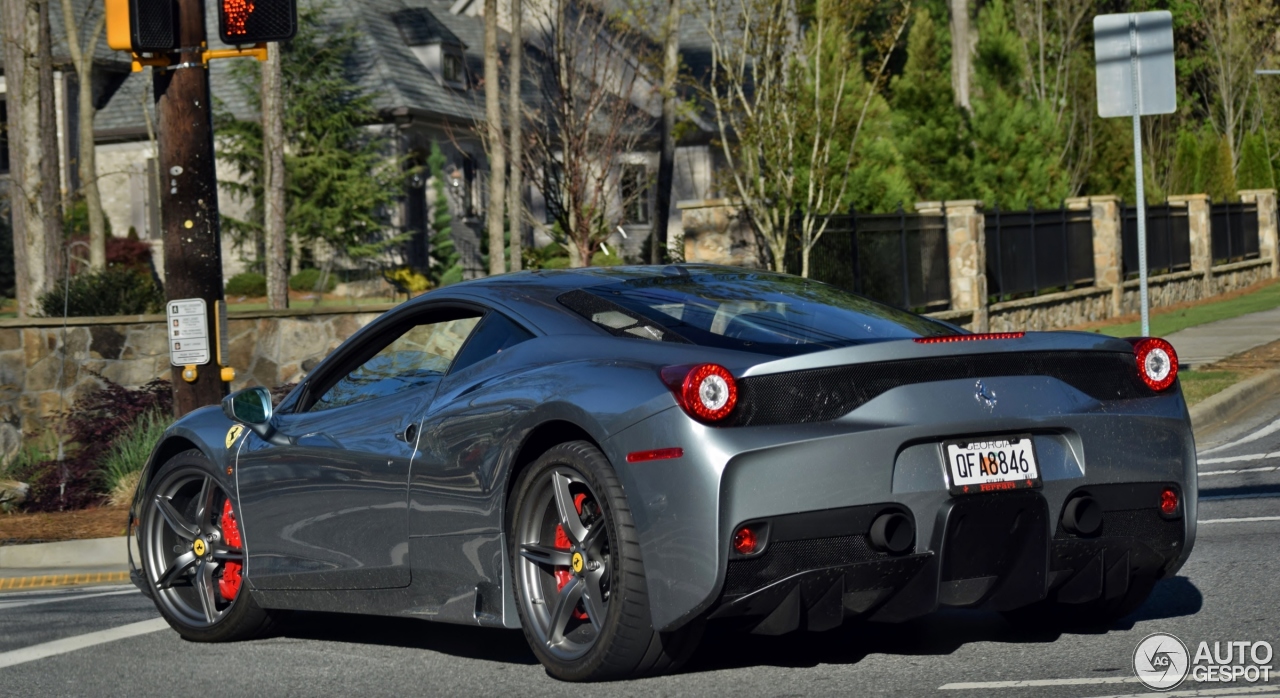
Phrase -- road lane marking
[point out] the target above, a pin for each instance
(56, 580)
(1265, 469)
(1236, 459)
(1031, 683)
(5, 605)
(71, 644)
(1246, 495)
(1247, 519)
(1256, 691)
(1265, 431)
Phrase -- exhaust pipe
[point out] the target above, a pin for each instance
(892, 533)
(1082, 516)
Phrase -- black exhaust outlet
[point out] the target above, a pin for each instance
(893, 533)
(1082, 516)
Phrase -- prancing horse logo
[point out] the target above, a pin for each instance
(984, 395)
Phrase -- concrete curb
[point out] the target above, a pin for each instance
(93, 552)
(1239, 397)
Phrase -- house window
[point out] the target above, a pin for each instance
(635, 195)
(453, 71)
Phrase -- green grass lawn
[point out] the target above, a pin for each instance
(296, 304)
(1198, 385)
(1163, 324)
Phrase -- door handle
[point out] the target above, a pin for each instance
(409, 435)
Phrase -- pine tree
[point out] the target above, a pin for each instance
(1254, 171)
(929, 129)
(1215, 176)
(1186, 164)
(446, 265)
(1017, 144)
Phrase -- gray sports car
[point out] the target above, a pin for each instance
(611, 458)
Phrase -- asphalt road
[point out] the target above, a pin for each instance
(1226, 592)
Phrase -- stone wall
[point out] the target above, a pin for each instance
(45, 367)
(1050, 312)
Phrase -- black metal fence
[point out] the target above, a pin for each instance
(1234, 232)
(896, 258)
(1036, 251)
(1168, 239)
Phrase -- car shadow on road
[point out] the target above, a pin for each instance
(489, 644)
(939, 633)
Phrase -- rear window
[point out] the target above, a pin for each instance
(752, 311)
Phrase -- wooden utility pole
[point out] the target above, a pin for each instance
(189, 197)
(667, 158)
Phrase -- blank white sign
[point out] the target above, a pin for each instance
(1157, 93)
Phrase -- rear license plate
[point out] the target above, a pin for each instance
(991, 464)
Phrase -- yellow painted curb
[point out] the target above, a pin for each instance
(61, 580)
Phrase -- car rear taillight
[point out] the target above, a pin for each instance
(1157, 362)
(707, 392)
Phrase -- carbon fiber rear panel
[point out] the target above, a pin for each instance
(822, 394)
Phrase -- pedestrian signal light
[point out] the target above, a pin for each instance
(256, 21)
(141, 26)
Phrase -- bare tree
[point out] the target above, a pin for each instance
(667, 157)
(32, 256)
(82, 49)
(494, 139)
(1238, 34)
(785, 104)
(277, 257)
(50, 160)
(586, 119)
(515, 107)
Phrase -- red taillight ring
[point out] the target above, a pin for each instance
(1157, 362)
(706, 392)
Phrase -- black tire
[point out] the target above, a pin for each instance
(1100, 614)
(183, 504)
(625, 645)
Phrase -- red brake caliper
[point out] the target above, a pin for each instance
(564, 574)
(229, 585)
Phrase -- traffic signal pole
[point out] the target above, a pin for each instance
(189, 197)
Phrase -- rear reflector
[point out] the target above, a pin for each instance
(655, 454)
(948, 339)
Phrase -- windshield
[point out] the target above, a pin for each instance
(758, 311)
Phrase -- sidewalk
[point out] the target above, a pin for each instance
(68, 563)
(1214, 341)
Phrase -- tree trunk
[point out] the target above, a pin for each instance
(21, 28)
(667, 159)
(86, 156)
(515, 105)
(50, 163)
(961, 63)
(277, 257)
(493, 128)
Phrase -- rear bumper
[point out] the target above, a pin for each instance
(887, 454)
(990, 551)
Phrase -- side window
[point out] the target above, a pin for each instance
(496, 333)
(417, 357)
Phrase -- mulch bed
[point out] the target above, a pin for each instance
(99, 522)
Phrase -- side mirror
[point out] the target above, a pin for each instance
(251, 407)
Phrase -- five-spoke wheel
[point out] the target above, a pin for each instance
(578, 577)
(193, 552)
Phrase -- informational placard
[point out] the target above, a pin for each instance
(1135, 49)
(188, 327)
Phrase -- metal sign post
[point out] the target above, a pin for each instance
(1135, 77)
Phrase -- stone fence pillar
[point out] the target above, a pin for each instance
(1108, 245)
(1268, 233)
(1201, 235)
(967, 255)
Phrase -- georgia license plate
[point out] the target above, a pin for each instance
(991, 464)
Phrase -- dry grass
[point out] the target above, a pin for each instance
(100, 522)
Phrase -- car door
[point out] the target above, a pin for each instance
(325, 502)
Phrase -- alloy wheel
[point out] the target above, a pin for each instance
(565, 563)
(194, 551)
